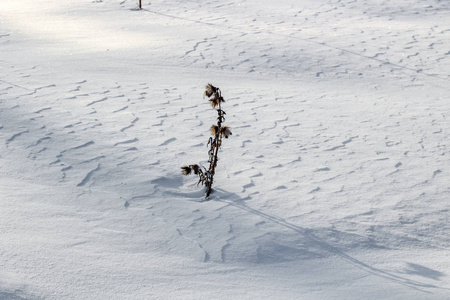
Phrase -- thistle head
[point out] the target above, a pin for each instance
(189, 169)
(210, 90)
(214, 129)
(225, 131)
(216, 100)
(195, 169)
(186, 170)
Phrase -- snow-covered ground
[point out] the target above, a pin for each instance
(334, 185)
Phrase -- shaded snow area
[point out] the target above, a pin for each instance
(334, 185)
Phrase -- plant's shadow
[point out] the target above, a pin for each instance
(12, 296)
(310, 238)
(423, 271)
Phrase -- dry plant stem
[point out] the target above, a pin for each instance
(206, 176)
(215, 145)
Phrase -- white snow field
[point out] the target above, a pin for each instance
(334, 185)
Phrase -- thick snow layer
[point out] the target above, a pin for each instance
(334, 184)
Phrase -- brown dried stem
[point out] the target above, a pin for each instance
(206, 176)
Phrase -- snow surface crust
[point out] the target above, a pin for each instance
(334, 184)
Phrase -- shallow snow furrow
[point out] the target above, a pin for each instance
(88, 176)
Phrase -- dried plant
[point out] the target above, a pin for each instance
(218, 132)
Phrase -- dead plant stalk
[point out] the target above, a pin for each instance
(206, 175)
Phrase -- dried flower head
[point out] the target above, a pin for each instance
(210, 90)
(216, 101)
(186, 170)
(225, 131)
(214, 129)
(195, 168)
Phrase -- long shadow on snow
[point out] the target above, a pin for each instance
(315, 241)
(13, 296)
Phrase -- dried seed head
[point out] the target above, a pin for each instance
(216, 101)
(186, 170)
(225, 131)
(214, 129)
(195, 168)
(209, 90)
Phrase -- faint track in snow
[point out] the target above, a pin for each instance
(39, 141)
(43, 109)
(311, 40)
(129, 126)
(87, 144)
(12, 138)
(97, 101)
(127, 142)
(88, 176)
(195, 47)
(121, 109)
(168, 141)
